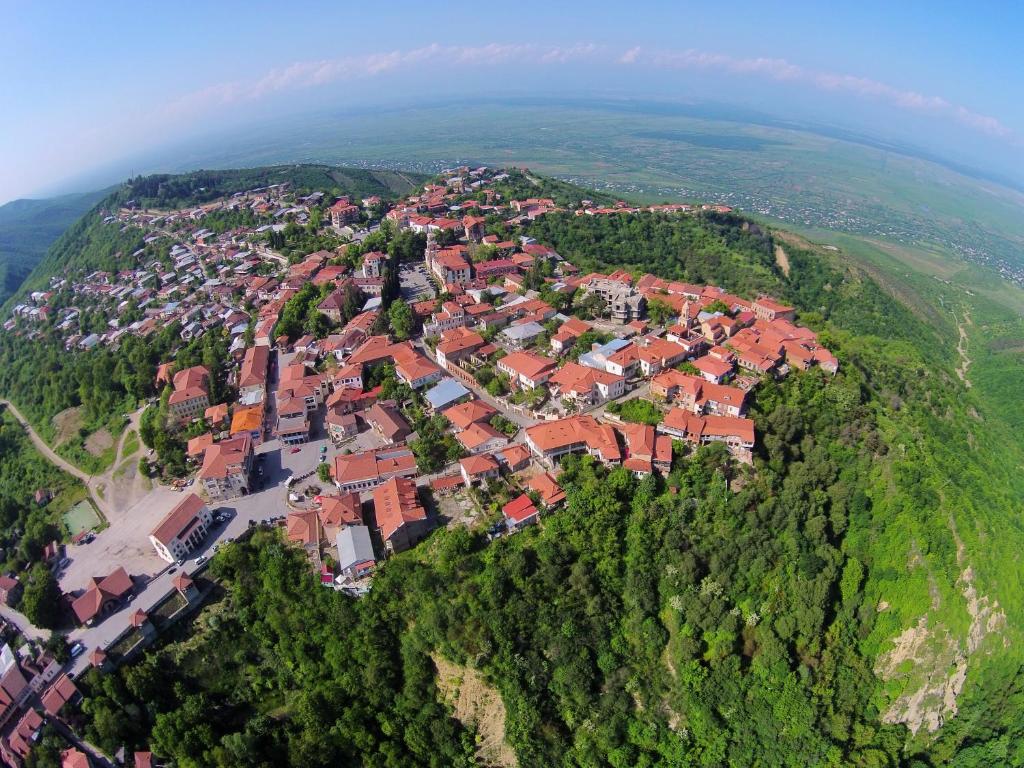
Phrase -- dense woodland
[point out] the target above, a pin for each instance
(721, 616)
(29, 227)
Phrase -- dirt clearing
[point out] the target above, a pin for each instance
(782, 259)
(478, 706)
(98, 442)
(66, 425)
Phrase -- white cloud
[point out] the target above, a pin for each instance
(302, 75)
(784, 71)
(308, 74)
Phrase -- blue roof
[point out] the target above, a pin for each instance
(445, 392)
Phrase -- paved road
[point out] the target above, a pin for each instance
(23, 624)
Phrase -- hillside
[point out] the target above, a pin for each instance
(29, 227)
(89, 245)
(174, 191)
(853, 598)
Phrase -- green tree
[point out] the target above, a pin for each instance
(402, 320)
(41, 599)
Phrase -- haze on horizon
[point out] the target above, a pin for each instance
(91, 88)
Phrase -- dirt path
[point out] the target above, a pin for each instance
(961, 349)
(43, 447)
(95, 484)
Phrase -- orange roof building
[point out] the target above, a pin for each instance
(401, 519)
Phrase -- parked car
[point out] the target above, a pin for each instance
(77, 650)
(201, 559)
(296, 449)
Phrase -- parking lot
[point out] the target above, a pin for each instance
(416, 286)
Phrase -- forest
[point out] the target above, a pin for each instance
(29, 227)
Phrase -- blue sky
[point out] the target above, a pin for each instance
(86, 84)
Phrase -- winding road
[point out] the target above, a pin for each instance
(92, 482)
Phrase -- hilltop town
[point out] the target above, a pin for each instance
(428, 364)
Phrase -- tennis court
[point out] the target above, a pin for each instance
(81, 517)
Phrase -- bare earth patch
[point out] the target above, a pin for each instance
(479, 706)
(932, 662)
(98, 442)
(66, 424)
(782, 259)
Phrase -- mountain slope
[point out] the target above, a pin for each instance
(29, 227)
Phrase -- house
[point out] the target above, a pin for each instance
(60, 693)
(74, 758)
(413, 368)
(303, 527)
(333, 304)
(527, 369)
(401, 519)
(481, 437)
(343, 212)
(14, 686)
(446, 484)
(348, 377)
(373, 263)
(196, 446)
(227, 467)
(446, 393)
(102, 596)
(248, 421)
(463, 415)
(185, 586)
(368, 469)
(522, 335)
(514, 458)
(182, 529)
(586, 386)
(567, 334)
(698, 395)
(191, 395)
(550, 492)
(252, 379)
(337, 512)
(341, 426)
(712, 369)
(736, 433)
(385, 419)
(293, 428)
(766, 308)
(457, 345)
(519, 513)
(355, 552)
(577, 434)
(475, 469)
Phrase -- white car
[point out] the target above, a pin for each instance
(201, 559)
(77, 650)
